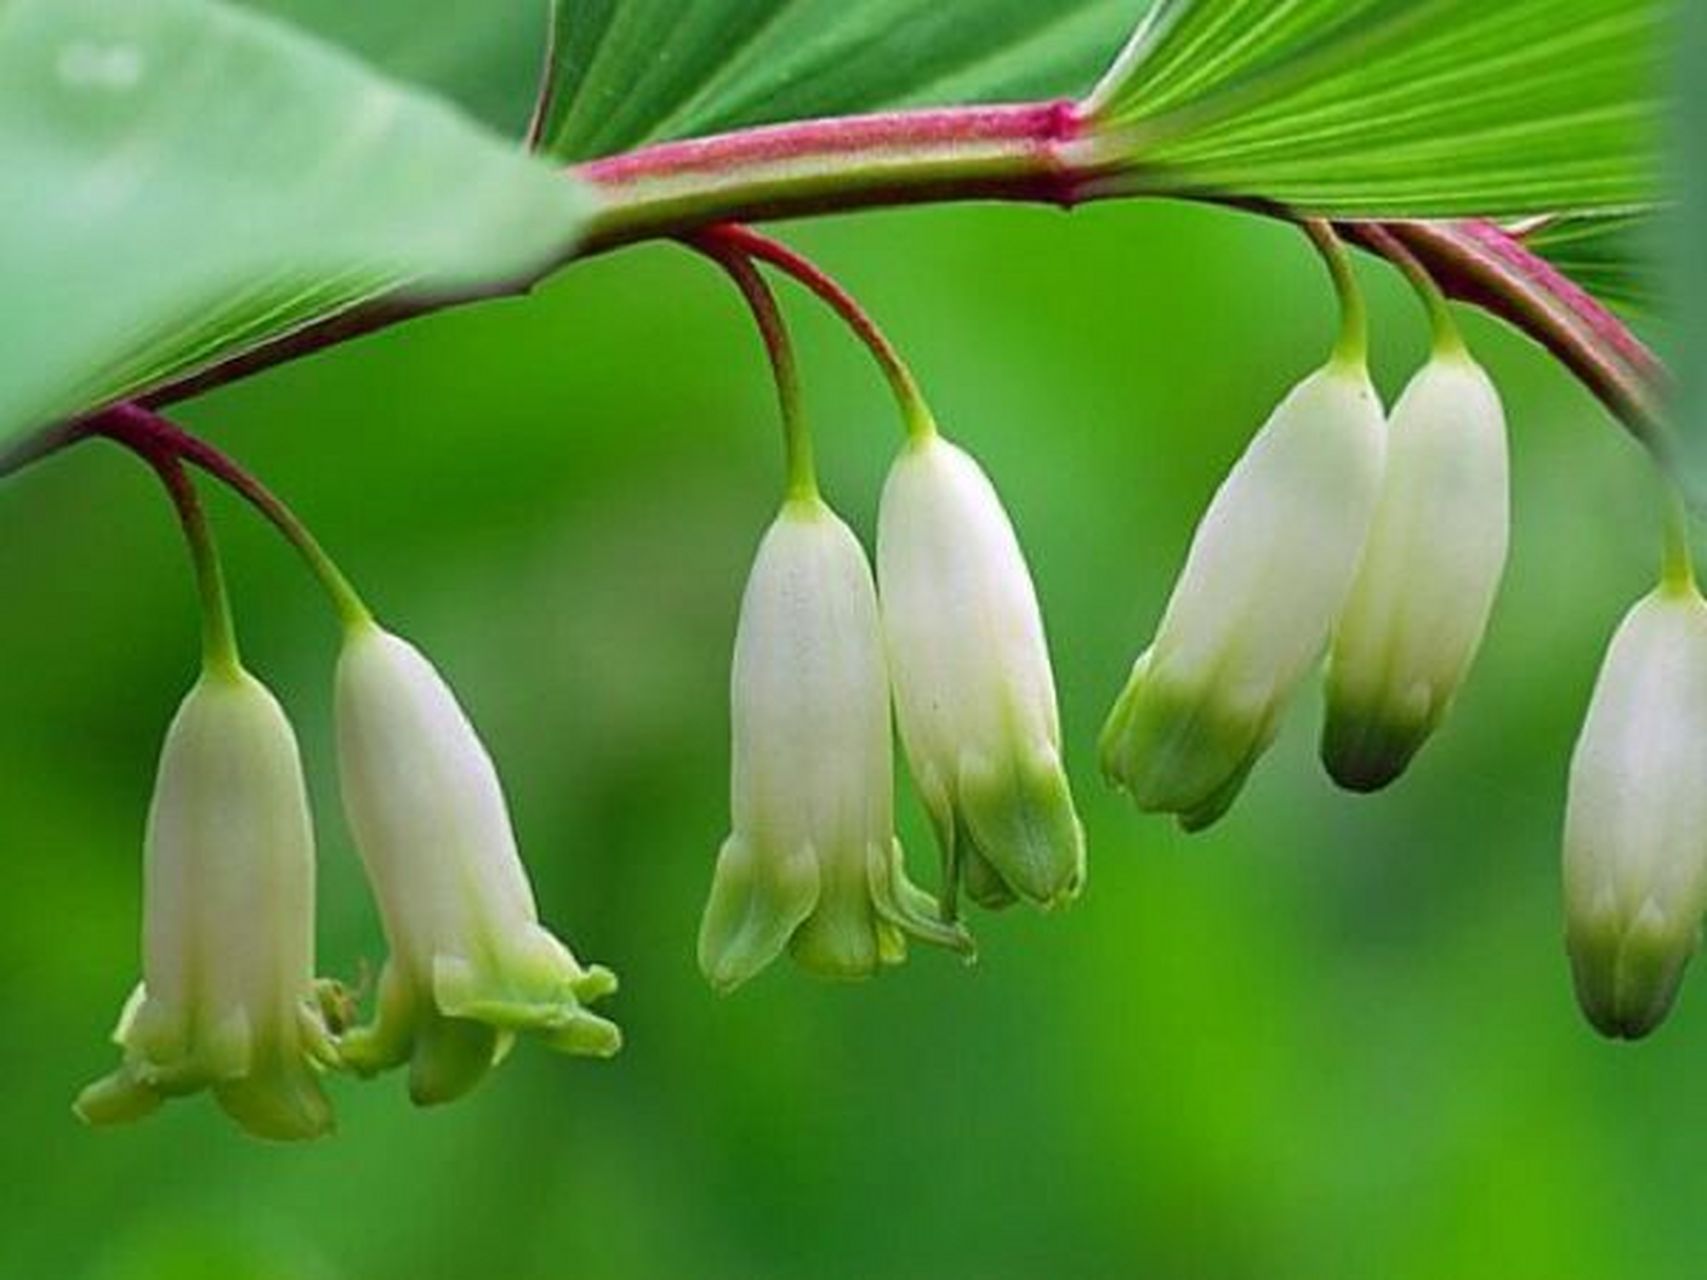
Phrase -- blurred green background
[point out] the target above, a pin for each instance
(1332, 1037)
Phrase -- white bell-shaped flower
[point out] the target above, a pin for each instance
(1635, 857)
(973, 688)
(1428, 578)
(228, 998)
(470, 963)
(1269, 570)
(812, 864)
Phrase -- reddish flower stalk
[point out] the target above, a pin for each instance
(751, 243)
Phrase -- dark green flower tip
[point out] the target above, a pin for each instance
(1627, 979)
(451, 1056)
(1365, 750)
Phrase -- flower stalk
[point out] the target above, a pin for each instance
(219, 635)
(1352, 347)
(151, 435)
(779, 347)
(909, 399)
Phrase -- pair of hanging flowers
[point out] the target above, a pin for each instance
(951, 633)
(1380, 544)
(229, 1001)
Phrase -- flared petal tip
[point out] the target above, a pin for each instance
(760, 894)
(586, 1035)
(542, 991)
(277, 1110)
(118, 1098)
(270, 1087)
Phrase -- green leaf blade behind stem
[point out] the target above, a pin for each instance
(634, 72)
(191, 180)
(1616, 258)
(1395, 108)
(1683, 235)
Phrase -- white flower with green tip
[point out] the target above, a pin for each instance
(1635, 850)
(1268, 572)
(974, 692)
(228, 998)
(812, 865)
(470, 964)
(1430, 572)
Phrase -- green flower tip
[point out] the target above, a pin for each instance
(1180, 749)
(453, 1026)
(1627, 976)
(1016, 830)
(272, 1090)
(835, 918)
(757, 902)
(1367, 749)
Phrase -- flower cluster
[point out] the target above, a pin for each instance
(1375, 545)
(228, 1000)
(952, 629)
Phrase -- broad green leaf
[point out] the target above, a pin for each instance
(1614, 258)
(639, 71)
(484, 56)
(1404, 108)
(186, 179)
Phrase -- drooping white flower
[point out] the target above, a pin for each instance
(227, 1001)
(470, 963)
(812, 864)
(973, 688)
(1268, 572)
(1428, 578)
(1635, 855)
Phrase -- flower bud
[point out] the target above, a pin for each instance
(227, 1000)
(812, 863)
(1268, 572)
(1430, 571)
(470, 964)
(1635, 858)
(973, 690)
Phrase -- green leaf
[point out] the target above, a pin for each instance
(639, 71)
(1395, 108)
(188, 179)
(1684, 237)
(1615, 258)
(484, 56)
